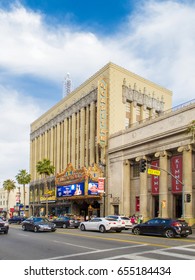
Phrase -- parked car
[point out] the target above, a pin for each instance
(38, 224)
(125, 221)
(16, 220)
(102, 225)
(66, 222)
(4, 226)
(164, 227)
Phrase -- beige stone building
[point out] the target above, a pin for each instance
(76, 131)
(166, 145)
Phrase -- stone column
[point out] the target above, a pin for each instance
(58, 144)
(51, 145)
(46, 144)
(65, 161)
(73, 139)
(82, 138)
(92, 132)
(78, 141)
(163, 183)
(126, 188)
(87, 136)
(187, 178)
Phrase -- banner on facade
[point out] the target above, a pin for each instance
(102, 118)
(155, 178)
(176, 171)
(70, 190)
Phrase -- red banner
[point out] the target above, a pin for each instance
(101, 185)
(176, 171)
(155, 179)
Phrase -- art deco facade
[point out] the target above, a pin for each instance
(166, 145)
(76, 131)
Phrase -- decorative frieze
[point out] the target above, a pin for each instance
(137, 97)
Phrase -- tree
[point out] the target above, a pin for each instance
(44, 167)
(9, 185)
(191, 129)
(23, 178)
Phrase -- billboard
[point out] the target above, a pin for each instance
(70, 190)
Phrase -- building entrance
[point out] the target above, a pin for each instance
(178, 206)
(156, 206)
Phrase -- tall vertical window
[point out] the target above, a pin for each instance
(128, 115)
(138, 113)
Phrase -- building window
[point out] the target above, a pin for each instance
(128, 115)
(138, 113)
(136, 172)
(116, 209)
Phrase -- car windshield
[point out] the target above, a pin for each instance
(40, 220)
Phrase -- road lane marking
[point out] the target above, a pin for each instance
(55, 241)
(94, 252)
(115, 239)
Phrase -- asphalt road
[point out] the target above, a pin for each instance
(73, 244)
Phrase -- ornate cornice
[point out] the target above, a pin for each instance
(67, 112)
(137, 97)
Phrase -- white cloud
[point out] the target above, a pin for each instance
(17, 112)
(157, 43)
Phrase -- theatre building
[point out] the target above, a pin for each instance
(74, 136)
(167, 144)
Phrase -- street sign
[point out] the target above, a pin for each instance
(154, 172)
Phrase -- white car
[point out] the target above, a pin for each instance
(102, 225)
(125, 221)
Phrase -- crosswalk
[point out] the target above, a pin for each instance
(186, 252)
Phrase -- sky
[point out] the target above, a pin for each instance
(43, 40)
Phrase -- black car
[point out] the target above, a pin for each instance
(164, 227)
(4, 226)
(38, 224)
(66, 222)
(16, 220)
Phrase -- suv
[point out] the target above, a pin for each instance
(124, 221)
(4, 226)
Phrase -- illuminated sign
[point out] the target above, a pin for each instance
(70, 190)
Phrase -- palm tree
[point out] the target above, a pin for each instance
(9, 185)
(23, 178)
(191, 129)
(45, 168)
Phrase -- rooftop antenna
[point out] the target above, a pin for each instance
(67, 85)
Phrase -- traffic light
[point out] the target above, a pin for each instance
(142, 166)
(188, 197)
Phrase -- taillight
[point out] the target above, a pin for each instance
(123, 222)
(176, 224)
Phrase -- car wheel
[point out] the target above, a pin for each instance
(76, 227)
(102, 229)
(169, 233)
(82, 227)
(136, 231)
(64, 226)
(118, 230)
(35, 229)
(23, 227)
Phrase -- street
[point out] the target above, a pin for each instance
(73, 244)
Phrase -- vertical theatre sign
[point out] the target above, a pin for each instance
(102, 113)
(176, 170)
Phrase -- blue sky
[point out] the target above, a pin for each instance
(42, 40)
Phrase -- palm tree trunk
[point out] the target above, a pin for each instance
(24, 206)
